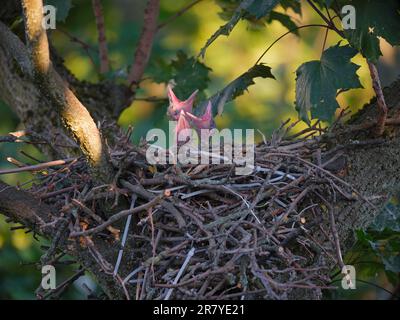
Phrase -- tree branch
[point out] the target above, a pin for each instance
(36, 36)
(114, 218)
(103, 51)
(327, 20)
(73, 113)
(143, 50)
(382, 107)
(20, 206)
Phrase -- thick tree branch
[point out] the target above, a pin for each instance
(36, 36)
(73, 113)
(103, 51)
(20, 206)
(143, 50)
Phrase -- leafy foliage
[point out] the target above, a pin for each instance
(382, 240)
(323, 3)
(284, 19)
(375, 18)
(318, 82)
(295, 5)
(247, 8)
(236, 88)
(188, 74)
(259, 9)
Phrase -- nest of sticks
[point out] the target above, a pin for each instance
(200, 231)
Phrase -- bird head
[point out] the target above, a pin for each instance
(176, 105)
(206, 121)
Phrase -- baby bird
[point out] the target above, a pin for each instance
(181, 111)
(182, 124)
(206, 121)
(176, 105)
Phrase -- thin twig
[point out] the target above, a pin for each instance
(181, 270)
(177, 14)
(125, 236)
(380, 98)
(287, 33)
(38, 167)
(116, 217)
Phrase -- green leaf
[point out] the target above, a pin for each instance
(236, 88)
(228, 27)
(160, 70)
(284, 19)
(295, 5)
(246, 8)
(318, 82)
(383, 242)
(188, 73)
(374, 18)
(261, 8)
(228, 8)
(323, 3)
(62, 6)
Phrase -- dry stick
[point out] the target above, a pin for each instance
(181, 270)
(382, 107)
(58, 192)
(143, 289)
(103, 51)
(116, 217)
(64, 284)
(329, 174)
(38, 167)
(336, 238)
(168, 206)
(125, 236)
(292, 207)
(367, 125)
(98, 219)
(145, 44)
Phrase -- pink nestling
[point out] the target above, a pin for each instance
(176, 105)
(181, 111)
(181, 125)
(206, 121)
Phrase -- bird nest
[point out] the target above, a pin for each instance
(202, 232)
